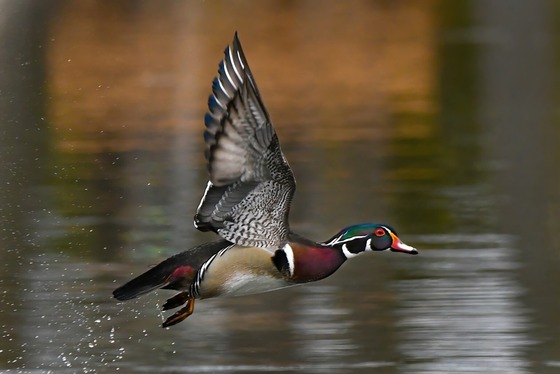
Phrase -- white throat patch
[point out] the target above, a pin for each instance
(347, 253)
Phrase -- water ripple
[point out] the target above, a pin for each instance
(465, 316)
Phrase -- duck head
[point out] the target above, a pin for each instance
(356, 239)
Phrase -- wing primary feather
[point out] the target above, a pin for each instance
(215, 106)
(227, 75)
(251, 185)
(233, 64)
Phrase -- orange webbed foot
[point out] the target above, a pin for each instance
(176, 301)
(181, 314)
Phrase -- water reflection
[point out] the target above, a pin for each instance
(318, 323)
(101, 169)
(466, 316)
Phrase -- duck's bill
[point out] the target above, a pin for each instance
(399, 246)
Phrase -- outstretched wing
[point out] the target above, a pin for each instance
(251, 185)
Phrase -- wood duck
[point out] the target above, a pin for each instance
(246, 202)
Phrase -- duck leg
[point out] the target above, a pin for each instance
(181, 314)
(176, 301)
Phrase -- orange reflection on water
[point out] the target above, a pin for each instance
(329, 71)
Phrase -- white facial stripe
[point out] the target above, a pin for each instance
(347, 253)
(290, 258)
(338, 241)
(335, 240)
(390, 234)
(368, 245)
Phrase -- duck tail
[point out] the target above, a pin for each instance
(171, 273)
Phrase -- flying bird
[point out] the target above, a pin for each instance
(247, 203)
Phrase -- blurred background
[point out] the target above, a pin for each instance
(437, 117)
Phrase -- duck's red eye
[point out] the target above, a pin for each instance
(379, 232)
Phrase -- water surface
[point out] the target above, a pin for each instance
(437, 118)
